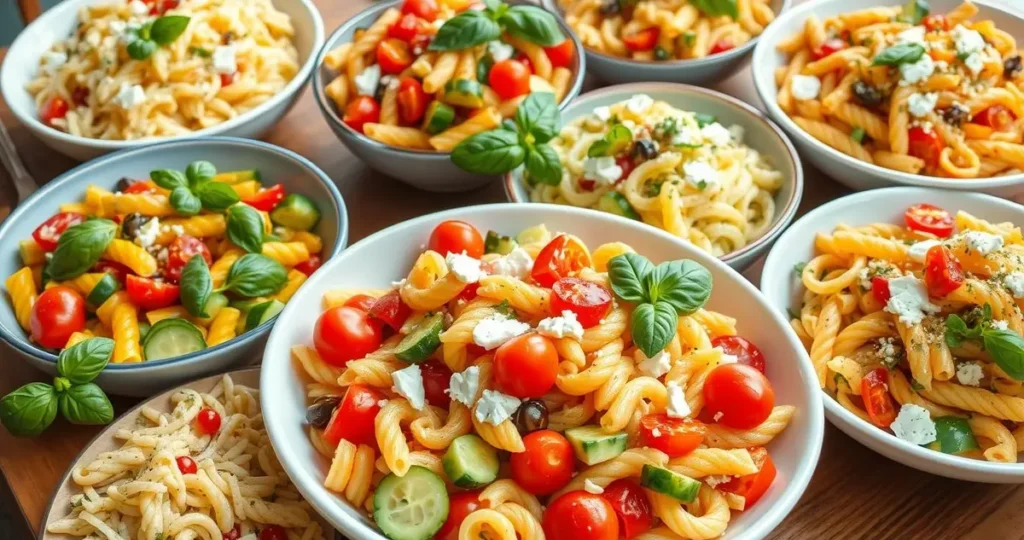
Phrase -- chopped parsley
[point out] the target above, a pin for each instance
(798, 268)
(200, 51)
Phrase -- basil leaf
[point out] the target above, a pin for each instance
(628, 273)
(167, 28)
(141, 49)
(80, 247)
(86, 404)
(900, 53)
(168, 179)
(533, 24)
(543, 165)
(714, 8)
(255, 275)
(492, 5)
(491, 152)
(684, 285)
(29, 410)
(653, 326)
(956, 330)
(185, 202)
(1007, 350)
(705, 119)
(245, 228)
(82, 362)
(538, 116)
(199, 172)
(196, 286)
(216, 195)
(465, 30)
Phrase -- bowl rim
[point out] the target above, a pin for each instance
(24, 346)
(766, 47)
(291, 89)
(326, 105)
(807, 385)
(779, 263)
(788, 210)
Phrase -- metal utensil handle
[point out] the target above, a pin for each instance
(24, 184)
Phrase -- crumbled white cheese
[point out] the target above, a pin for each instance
(639, 103)
(602, 170)
(518, 263)
(657, 365)
(737, 132)
(495, 407)
(983, 242)
(408, 383)
(466, 268)
(129, 95)
(560, 327)
(687, 137)
(367, 81)
(603, 113)
(909, 300)
(969, 373)
(805, 87)
(914, 424)
(224, 59)
(914, 34)
(714, 480)
(920, 249)
(700, 174)
(462, 386)
(500, 51)
(1014, 282)
(118, 28)
(967, 41)
(677, 406)
(497, 329)
(917, 71)
(161, 255)
(716, 134)
(921, 104)
(1000, 325)
(148, 233)
(974, 63)
(53, 60)
(590, 487)
(139, 9)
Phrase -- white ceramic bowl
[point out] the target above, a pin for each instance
(782, 290)
(22, 63)
(850, 171)
(761, 134)
(387, 255)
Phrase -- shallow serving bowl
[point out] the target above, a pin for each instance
(782, 290)
(761, 134)
(387, 255)
(22, 62)
(297, 174)
(427, 170)
(850, 171)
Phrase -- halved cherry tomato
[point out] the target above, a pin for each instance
(273, 532)
(266, 198)
(227, 79)
(144, 186)
(510, 78)
(562, 256)
(588, 300)
(186, 465)
(745, 352)
(930, 219)
(721, 46)
(354, 417)
(58, 312)
(997, 117)
(455, 236)
(935, 22)
(752, 486)
(149, 293)
(436, 378)
(412, 101)
(118, 270)
(208, 421)
(361, 301)
(643, 40)
(390, 309)
(674, 436)
(626, 164)
(48, 233)
(424, 9)
(310, 265)
(361, 111)
(631, 506)
(561, 55)
(546, 465)
(80, 95)
(741, 393)
(460, 505)
(580, 515)
(874, 390)
(526, 366)
(393, 56)
(942, 272)
(56, 108)
(925, 144)
(828, 47)
(880, 289)
(345, 333)
(180, 252)
(407, 28)
(469, 293)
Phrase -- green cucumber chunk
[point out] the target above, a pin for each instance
(144, 328)
(464, 93)
(953, 435)
(169, 338)
(439, 117)
(704, 119)
(668, 482)
(616, 141)
(411, 507)
(103, 289)
(470, 462)
(592, 445)
(496, 243)
(614, 203)
(214, 304)
(422, 341)
(262, 313)
(297, 212)
(243, 306)
(234, 177)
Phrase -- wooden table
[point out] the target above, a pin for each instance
(855, 493)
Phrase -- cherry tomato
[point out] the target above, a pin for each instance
(925, 144)
(457, 237)
(56, 108)
(186, 465)
(80, 95)
(407, 28)
(997, 117)
(118, 270)
(752, 486)
(587, 185)
(393, 56)
(931, 219)
(721, 46)
(560, 258)
(942, 272)
(361, 301)
(581, 515)
(880, 289)
(181, 251)
(745, 352)
(510, 78)
(626, 164)
(674, 436)
(150, 294)
(266, 198)
(561, 55)
(525, 60)
(162, 6)
(874, 390)
(391, 310)
(470, 292)
(361, 111)
(48, 233)
(310, 265)
(631, 506)
(643, 40)
(526, 366)
(412, 101)
(353, 420)
(588, 300)
(273, 532)
(424, 9)
(460, 505)
(436, 377)
(234, 534)
(58, 312)
(741, 393)
(345, 333)
(830, 46)
(935, 22)
(546, 465)
(144, 186)
(208, 421)
(226, 79)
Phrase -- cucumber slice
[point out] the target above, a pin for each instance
(592, 445)
(144, 328)
(244, 306)
(669, 483)
(214, 304)
(953, 435)
(422, 341)
(539, 84)
(470, 462)
(105, 287)
(614, 203)
(234, 177)
(169, 338)
(262, 313)
(496, 243)
(439, 117)
(297, 212)
(411, 507)
(464, 93)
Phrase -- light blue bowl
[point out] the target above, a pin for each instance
(277, 165)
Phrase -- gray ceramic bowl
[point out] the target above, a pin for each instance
(430, 171)
(700, 71)
(278, 165)
(761, 134)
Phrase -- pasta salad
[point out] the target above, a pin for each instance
(165, 266)
(916, 328)
(908, 90)
(678, 170)
(509, 382)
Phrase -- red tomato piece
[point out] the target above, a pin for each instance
(273, 532)
(631, 506)
(48, 233)
(361, 301)
(925, 144)
(674, 436)
(118, 270)
(942, 272)
(510, 78)
(149, 293)
(745, 352)
(58, 312)
(234, 534)
(460, 505)
(266, 198)
(526, 366)
(935, 22)
(830, 46)
(721, 46)
(208, 421)
(564, 255)
(874, 391)
(144, 186)
(643, 40)
(412, 101)
(741, 393)
(345, 333)
(186, 465)
(626, 164)
(180, 252)
(361, 111)
(226, 79)
(436, 377)
(454, 236)
(997, 117)
(310, 265)
(80, 95)
(407, 28)
(580, 515)
(880, 289)
(56, 108)
(561, 55)
(353, 420)
(587, 185)
(546, 465)
(469, 293)
(390, 310)
(393, 56)
(424, 9)
(588, 300)
(930, 219)
(752, 486)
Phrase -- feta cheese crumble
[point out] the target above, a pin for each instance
(914, 424)
(367, 81)
(500, 51)
(737, 132)
(639, 103)
(224, 59)
(969, 373)
(495, 407)
(700, 174)
(909, 300)
(139, 9)
(921, 104)
(560, 327)
(716, 134)
(920, 249)
(917, 71)
(687, 137)
(129, 95)
(974, 63)
(912, 35)
(1015, 284)
(462, 386)
(148, 233)
(53, 61)
(805, 87)
(1000, 325)
(408, 383)
(495, 330)
(603, 113)
(590, 487)
(602, 170)
(466, 268)
(517, 263)
(967, 41)
(983, 242)
(657, 365)
(677, 406)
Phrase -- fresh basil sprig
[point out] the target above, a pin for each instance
(194, 189)
(245, 228)
(661, 293)
(185, 202)
(471, 28)
(196, 286)
(715, 8)
(80, 247)
(900, 53)
(162, 31)
(1004, 346)
(255, 275)
(29, 410)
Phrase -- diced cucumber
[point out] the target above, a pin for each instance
(616, 141)
(496, 243)
(539, 84)
(953, 435)
(439, 117)
(173, 337)
(614, 203)
(243, 306)
(262, 313)
(422, 341)
(592, 445)
(144, 328)
(411, 507)
(214, 304)
(669, 483)
(470, 462)
(234, 177)
(297, 212)
(106, 286)
(464, 93)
